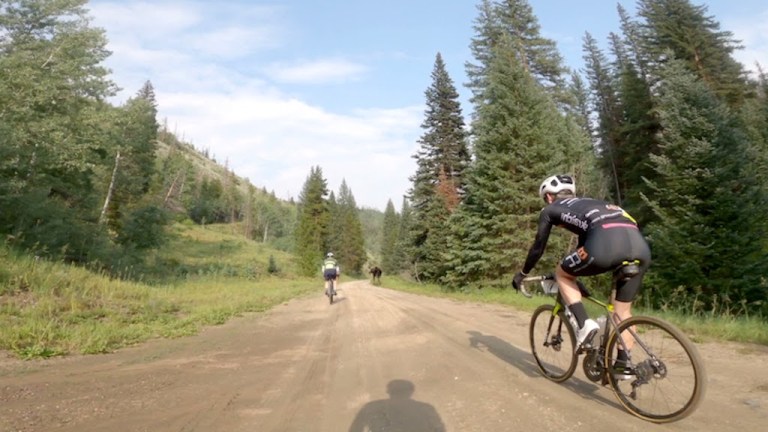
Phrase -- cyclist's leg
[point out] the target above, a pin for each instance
(635, 248)
(326, 278)
(579, 263)
(568, 288)
(592, 257)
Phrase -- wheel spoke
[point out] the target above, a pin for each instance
(669, 377)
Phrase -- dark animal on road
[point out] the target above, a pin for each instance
(375, 275)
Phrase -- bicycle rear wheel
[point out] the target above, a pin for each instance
(331, 291)
(553, 343)
(669, 378)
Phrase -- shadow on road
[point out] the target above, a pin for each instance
(398, 413)
(524, 361)
(503, 350)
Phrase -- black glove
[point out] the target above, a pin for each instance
(517, 280)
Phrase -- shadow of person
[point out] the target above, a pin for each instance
(525, 362)
(399, 413)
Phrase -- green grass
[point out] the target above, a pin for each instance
(50, 309)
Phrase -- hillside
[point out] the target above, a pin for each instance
(271, 218)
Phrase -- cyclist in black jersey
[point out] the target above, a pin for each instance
(608, 236)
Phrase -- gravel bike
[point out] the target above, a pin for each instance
(331, 290)
(665, 380)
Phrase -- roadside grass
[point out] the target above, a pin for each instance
(698, 326)
(49, 309)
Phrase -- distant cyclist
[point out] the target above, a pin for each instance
(608, 236)
(330, 271)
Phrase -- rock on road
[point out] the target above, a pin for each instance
(377, 360)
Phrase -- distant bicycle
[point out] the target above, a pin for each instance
(665, 380)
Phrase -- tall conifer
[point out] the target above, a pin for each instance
(347, 230)
(685, 30)
(438, 184)
(520, 138)
(389, 243)
(705, 202)
(313, 223)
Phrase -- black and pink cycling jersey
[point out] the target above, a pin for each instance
(607, 234)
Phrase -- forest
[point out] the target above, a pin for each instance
(665, 123)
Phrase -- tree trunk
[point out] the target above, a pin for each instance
(112, 182)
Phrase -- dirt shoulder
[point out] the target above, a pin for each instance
(376, 357)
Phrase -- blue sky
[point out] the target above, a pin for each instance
(274, 88)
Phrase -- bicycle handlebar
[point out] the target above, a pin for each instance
(546, 287)
(549, 286)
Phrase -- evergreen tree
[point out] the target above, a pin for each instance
(208, 206)
(439, 180)
(312, 224)
(404, 248)
(347, 230)
(705, 201)
(135, 150)
(390, 232)
(685, 30)
(581, 113)
(536, 54)
(520, 138)
(633, 43)
(637, 139)
(605, 104)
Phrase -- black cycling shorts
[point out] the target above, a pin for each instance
(605, 248)
(329, 274)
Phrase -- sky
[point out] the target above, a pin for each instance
(275, 88)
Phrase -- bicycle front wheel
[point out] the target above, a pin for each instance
(553, 343)
(668, 380)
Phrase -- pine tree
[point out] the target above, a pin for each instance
(404, 248)
(606, 106)
(348, 230)
(312, 224)
(390, 232)
(536, 54)
(135, 147)
(582, 114)
(635, 127)
(520, 138)
(685, 30)
(439, 180)
(704, 200)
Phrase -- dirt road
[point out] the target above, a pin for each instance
(377, 360)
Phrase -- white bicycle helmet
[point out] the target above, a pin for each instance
(329, 255)
(557, 184)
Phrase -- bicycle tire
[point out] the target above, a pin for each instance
(675, 388)
(331, 291)
(553, 343)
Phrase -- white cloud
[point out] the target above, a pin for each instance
(316, 72)
(203, 61)
(275, 141)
